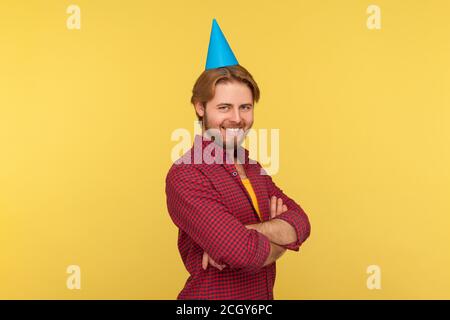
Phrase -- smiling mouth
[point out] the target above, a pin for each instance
(233, 131)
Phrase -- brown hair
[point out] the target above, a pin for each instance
(204, 87)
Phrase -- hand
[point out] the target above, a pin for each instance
(276, 207)
(207, 259)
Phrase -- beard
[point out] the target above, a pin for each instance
(230, 146)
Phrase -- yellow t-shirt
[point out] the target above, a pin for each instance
(252, 194)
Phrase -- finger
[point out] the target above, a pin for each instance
(220, 266)
(284, 208)
(279, 206)
(273, 206)
(205, 261)
(215, 264)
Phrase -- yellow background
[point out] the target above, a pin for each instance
(86, 117)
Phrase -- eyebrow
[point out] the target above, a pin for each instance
(229, 104)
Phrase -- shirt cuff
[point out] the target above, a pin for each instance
(262, 252)
(301, 226)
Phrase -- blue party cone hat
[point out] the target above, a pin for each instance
(219, 51)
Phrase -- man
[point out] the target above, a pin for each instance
(233, 221)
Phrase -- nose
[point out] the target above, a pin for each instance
(235, 115)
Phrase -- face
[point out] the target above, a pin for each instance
(230, 112)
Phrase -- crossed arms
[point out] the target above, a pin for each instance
(279, 233)
(197, 208)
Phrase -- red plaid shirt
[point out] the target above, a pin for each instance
(210, 206)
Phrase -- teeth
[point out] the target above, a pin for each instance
(233, 131)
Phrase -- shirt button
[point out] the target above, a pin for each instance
(234, 173)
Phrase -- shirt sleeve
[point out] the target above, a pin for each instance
(294, 215)
(196, 207)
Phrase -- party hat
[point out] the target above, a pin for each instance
(219, 51)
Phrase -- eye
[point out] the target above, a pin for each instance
(246, 107)
(223, 107)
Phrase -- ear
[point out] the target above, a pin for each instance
(199, 109)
